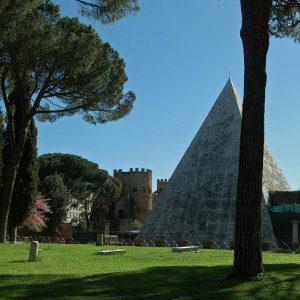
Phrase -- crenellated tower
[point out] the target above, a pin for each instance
(136, 196)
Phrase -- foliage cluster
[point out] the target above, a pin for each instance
(50, 67)
(67, 179)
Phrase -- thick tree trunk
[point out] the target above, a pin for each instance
(9, 181)
(7, 191)
(255, 37)
(12, 234)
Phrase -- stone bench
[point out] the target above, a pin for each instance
(110, 252)
(185, 249)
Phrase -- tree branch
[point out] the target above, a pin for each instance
(88, 4)
(39, 97)
(7, 105)
(71, 108)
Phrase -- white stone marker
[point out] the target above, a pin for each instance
(106, 228)
(33, 251)
(99, 239)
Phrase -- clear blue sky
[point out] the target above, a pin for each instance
(179, 54)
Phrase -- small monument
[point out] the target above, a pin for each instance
(99, 239)
(34, 251)
(106, 227)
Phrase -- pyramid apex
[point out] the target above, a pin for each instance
(229, 83)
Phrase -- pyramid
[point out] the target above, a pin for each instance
(198, 203)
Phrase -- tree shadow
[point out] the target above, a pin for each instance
(156, 283)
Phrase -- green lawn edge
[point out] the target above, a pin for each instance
(77, 272)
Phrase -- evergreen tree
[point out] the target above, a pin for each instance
(90, 187)
(52, 67)
(54, 190)
(25, 189)
(108, 11)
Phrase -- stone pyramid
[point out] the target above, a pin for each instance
(198, 203)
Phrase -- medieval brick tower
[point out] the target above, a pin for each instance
(135, 202)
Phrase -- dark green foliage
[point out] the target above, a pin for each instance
(108, 11)
(52, 67)
(64, 64)
(25, 189)
(72, 168)
(104, 200)
(285, 19)
(88, 185)
(55, 191)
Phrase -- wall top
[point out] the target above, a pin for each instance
(132, 171)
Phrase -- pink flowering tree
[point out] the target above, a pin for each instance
(36, 220)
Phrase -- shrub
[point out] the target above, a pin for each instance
(159, 243)
(182, 243)
(138, 242)
(207, 244)
(266, 246)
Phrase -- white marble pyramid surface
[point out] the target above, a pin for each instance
(198, 203)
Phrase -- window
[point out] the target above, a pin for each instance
(134, 189)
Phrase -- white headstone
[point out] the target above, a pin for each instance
(34, 251)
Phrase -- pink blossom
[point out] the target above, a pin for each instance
(37, 218)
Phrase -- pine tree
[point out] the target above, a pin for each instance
(52, 67)
(259, 19)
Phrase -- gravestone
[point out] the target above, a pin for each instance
(34, 251)
(99, 239)
(106, 227)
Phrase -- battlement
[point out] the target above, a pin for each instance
(132, 171)
(162, 180)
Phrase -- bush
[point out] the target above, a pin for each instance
(159, 243)
(136, 225)
(207, 244)
(266, 246)
(182, 243)
(138, 242)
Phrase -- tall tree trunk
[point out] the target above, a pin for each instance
(255, 38)
(9, 181)
(12, 233)
(25, 187)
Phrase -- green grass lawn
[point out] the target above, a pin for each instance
(74, 271)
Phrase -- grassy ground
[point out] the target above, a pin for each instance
(74, 271)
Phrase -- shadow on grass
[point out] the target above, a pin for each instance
(282, 282)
